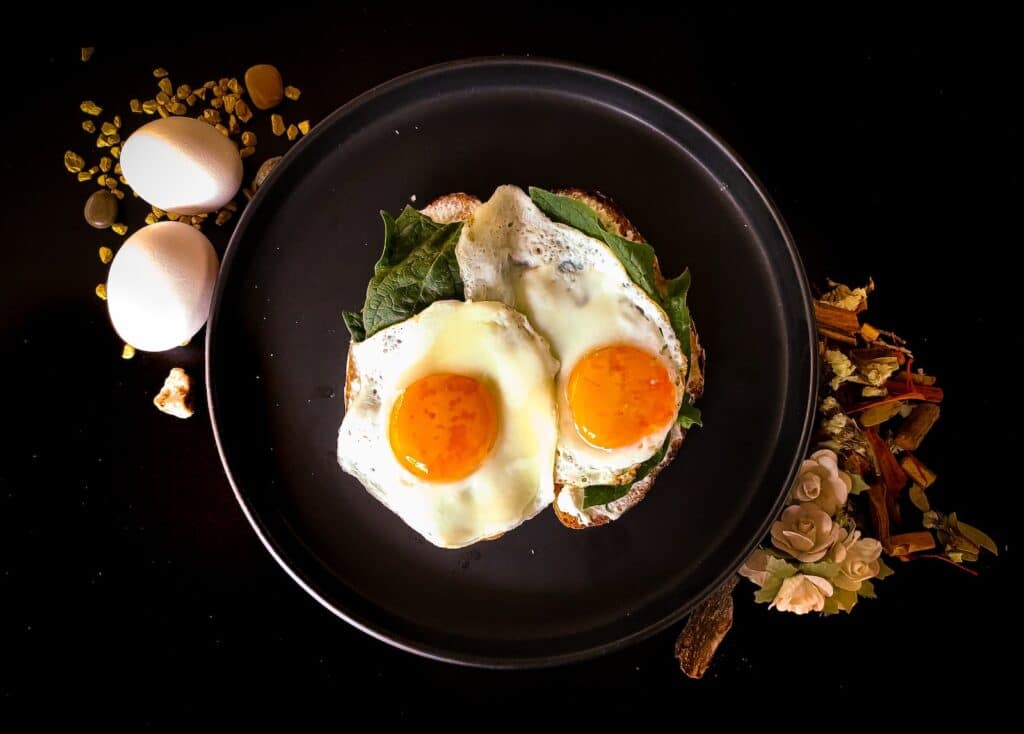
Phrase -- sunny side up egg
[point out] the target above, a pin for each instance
(620, 384)
(450, 421)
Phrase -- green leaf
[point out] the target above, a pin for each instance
(859, 485)
(831, 606)
(354, 324)
(883, 570)
(978, 537)
(416, 268)
(602, 494)
(844, 599)
(778, 571)
(867, 590)
(821, 568)
(689, 415)
(636, 257)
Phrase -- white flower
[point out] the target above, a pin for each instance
(801, 594)
(755, 568)
(857, 558)
(820, 481)
(805, 532)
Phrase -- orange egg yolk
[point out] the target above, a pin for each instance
(443, 426)
(620, 394)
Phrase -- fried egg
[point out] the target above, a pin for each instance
(620, 382)
(450, 421)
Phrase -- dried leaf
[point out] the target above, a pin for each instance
(918, 497)
(978, 537)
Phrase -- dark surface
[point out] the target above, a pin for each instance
(277, 349)
(127, 571)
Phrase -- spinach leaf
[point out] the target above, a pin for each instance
(602, 494)
(689, 415)
(417, 267)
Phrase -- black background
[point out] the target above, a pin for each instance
(127, 571)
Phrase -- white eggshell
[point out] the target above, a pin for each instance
(182, 165)
(160, 285)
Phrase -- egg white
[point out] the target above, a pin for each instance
(487, 341)
(576, 293)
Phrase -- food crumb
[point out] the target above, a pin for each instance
(106, 255)
(174, 398)
(87, 52)
(128, 352)
(101, 291)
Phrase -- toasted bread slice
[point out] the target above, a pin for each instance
(458, 207)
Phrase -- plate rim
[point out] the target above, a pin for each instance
(428, 650)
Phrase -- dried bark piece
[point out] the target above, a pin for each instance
(908, 543)
(916, 426)
(917, 471)
(835, 318)
(705, 630)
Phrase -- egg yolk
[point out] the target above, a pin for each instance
(620, 394)
(443, 426)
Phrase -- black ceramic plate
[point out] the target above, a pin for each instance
(304, 250)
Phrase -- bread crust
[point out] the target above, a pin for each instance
(451, 208)
(458, 207)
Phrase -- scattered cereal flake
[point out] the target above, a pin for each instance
(135, 106)
(149, 106)
(292, 132)
(87, 52)
(128, 352)
(248, 138)
(222, 129)
(84, 175)
(106, 255)
(183, 91)
(246, 151)
(243, 111)
(107, 128)
(150, 219)
(304, 127)
(73, 162)
(89, 126)
(117, 121)
(292, 93)
(105, 164)
(119, 228)
(115, 150)
(165, 86)
(159, 72)
(101, 291)
(222, 217)
(277, 124)
(90, 108)
(119, 194)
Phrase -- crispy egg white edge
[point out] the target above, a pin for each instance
(364, 450)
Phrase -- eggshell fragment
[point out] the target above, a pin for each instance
(182, 165)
